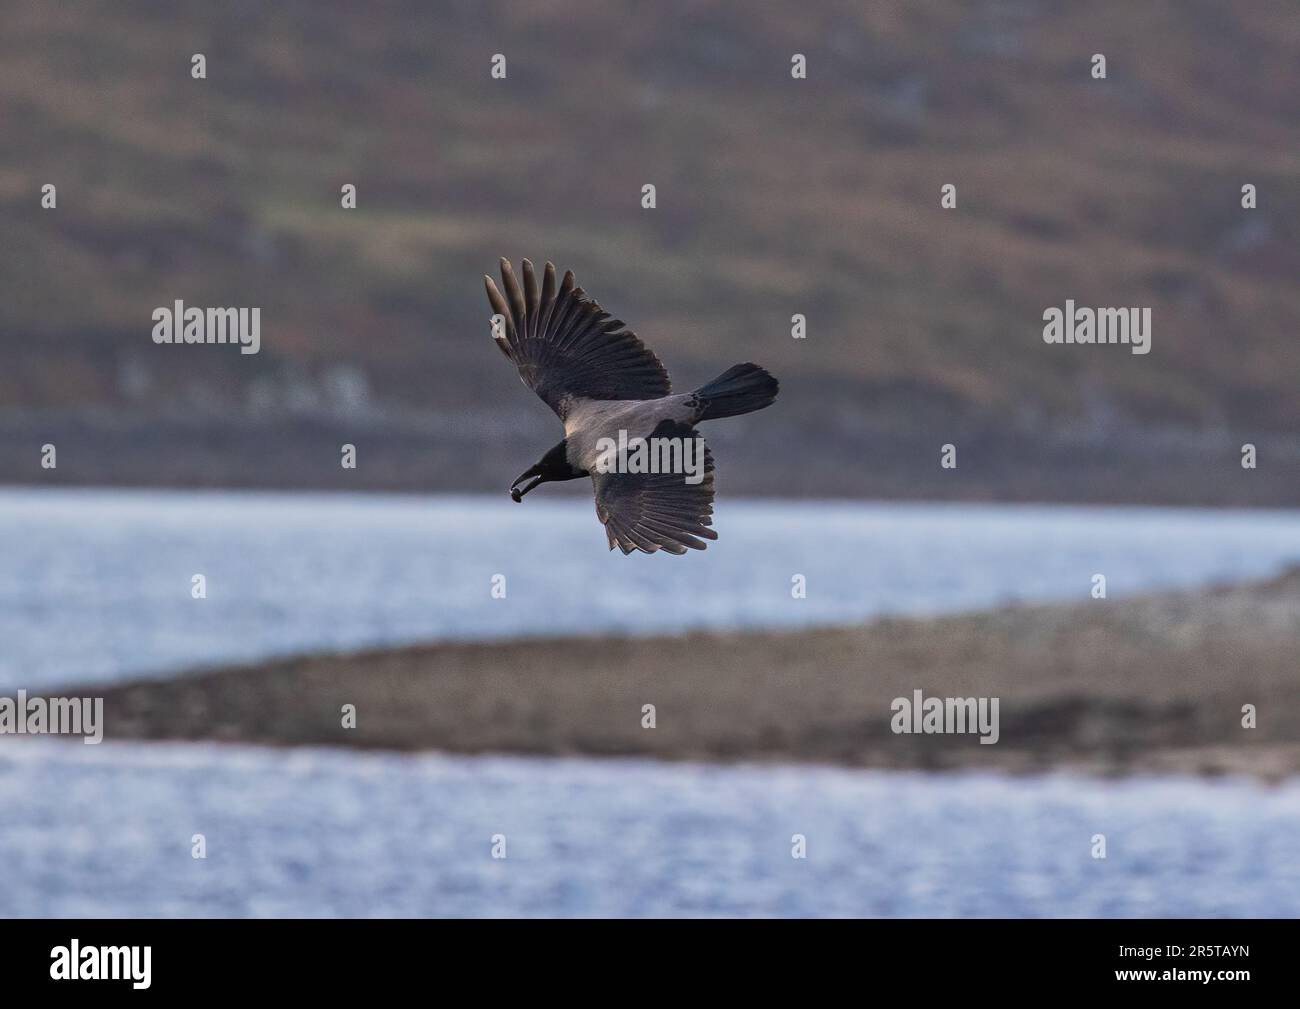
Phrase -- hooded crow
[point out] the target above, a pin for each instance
(609, 389)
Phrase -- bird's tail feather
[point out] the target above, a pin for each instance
(742, 388)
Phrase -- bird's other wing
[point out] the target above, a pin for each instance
(657, 511)
(566, 346)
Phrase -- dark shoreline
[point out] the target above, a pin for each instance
(1155, 684)
(480, 452)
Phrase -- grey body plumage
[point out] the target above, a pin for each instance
(600, 379)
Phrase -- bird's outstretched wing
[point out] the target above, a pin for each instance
(566, 346)
(657, 511)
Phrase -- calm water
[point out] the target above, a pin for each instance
(96, 585)
(107, 830)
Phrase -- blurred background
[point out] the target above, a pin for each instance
(775, 197)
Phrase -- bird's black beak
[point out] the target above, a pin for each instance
(516, 492)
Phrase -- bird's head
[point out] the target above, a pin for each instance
(552, 466)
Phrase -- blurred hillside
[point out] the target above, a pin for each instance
(775, 196)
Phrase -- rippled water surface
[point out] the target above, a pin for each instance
(95, 585)
(108, 830)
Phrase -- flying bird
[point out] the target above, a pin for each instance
(605, 384)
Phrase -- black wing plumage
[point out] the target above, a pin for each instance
(657, 511)
(566, 346)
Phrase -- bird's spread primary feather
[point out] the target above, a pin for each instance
(567, 347)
